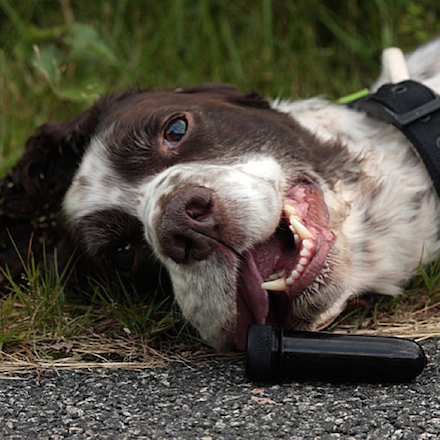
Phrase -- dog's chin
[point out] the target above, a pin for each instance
(293, 263)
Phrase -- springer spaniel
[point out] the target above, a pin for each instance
(260, 211)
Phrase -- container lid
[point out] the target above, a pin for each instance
(259, 359)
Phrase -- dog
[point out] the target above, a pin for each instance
(255, 210)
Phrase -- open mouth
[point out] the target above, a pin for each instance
(277, 271)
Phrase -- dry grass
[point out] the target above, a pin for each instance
(418, 325)
(90, 354)
(97, 352)
(414, 317)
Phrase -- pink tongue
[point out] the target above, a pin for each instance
(252, 301)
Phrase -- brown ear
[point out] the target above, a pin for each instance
(32, 192)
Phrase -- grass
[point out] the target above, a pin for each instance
(40, 320)
(57, 57)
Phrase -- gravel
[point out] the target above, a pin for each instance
(215, 401)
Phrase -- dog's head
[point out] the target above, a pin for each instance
(234, 199)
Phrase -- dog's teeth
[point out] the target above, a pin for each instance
(298, 228)
(278, 285)
(304, 261)
(303, 239)
(289, 210)
(305, 253)
(299, 268)
(290, 281)
(276, 275)
(309, 244)
(295, 275)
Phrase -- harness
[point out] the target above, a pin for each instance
(409, 105)
(415, 110)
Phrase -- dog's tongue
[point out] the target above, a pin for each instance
(252, 301)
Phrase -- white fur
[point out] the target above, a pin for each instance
(95, 186)
(254, 184)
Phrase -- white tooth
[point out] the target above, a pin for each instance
(300, 229)
(299, 268)
(278, 285)
(276, 275)
(304, 261)
(305, 253)
(289, 210)
(308, 244)
(296, 237)
(295, 274)
(290, 281)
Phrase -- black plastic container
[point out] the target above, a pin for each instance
(273, 355)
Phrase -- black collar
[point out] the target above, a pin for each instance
(415, 110)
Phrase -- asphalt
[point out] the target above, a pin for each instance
(215, 401)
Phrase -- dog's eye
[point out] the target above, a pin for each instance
(174, 131)
(123, 257)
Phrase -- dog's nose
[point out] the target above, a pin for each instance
(189, 228)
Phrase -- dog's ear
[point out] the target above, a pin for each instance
(229, 93)
(31, 193)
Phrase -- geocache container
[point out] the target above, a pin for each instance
(274, 355)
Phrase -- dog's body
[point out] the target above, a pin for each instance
(260, 213)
